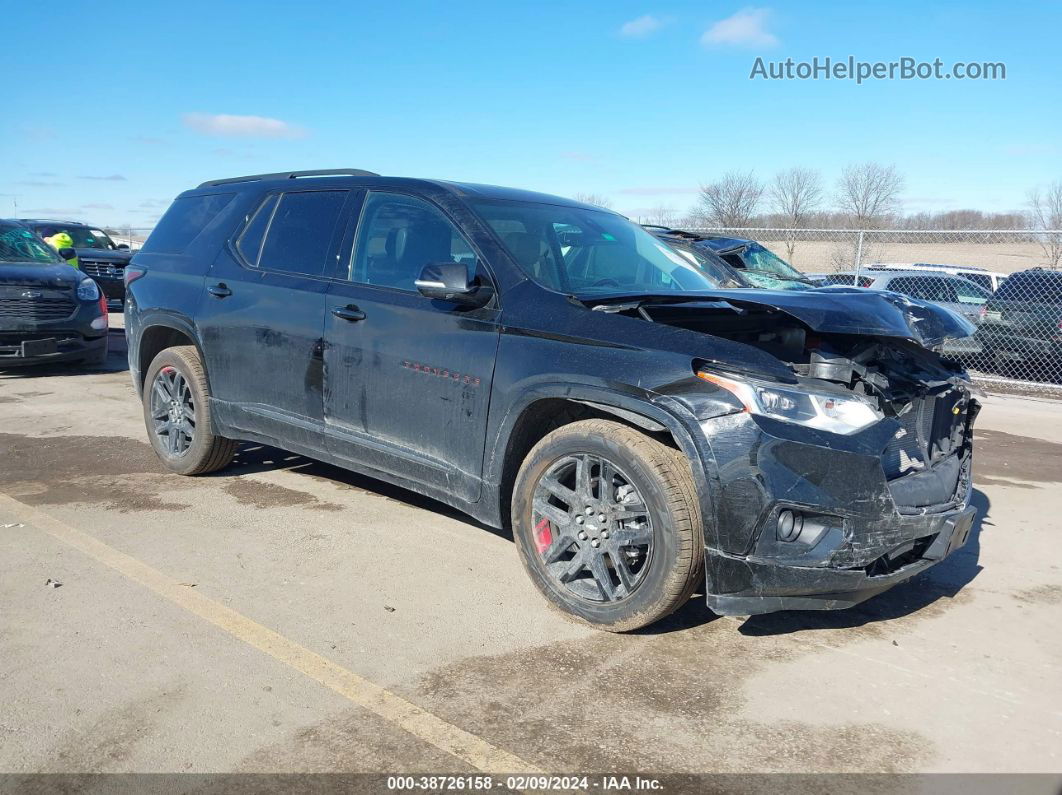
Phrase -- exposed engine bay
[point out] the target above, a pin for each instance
(927, 462)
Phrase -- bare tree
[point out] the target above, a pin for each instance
(1045, 213)
(794, 195)
(595, 199)
(663, 215)
(868, 193)
(732, 200)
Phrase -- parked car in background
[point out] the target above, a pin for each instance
(989, 280)
(1021, 325)
(718, 269)
(955, 293)
(548, 365)
(49, 311)
(98, 255)
(760, 266)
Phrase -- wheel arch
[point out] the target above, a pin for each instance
(546, 409)
(158, 332)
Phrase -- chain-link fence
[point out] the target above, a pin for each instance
(1007, 282)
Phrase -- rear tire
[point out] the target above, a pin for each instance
(176, 404)
(636, 565)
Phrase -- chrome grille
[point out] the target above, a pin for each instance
(103, 270)
(36, 308)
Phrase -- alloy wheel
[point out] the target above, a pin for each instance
(173, 412)
(592, 528)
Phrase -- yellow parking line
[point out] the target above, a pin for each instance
(423, 725)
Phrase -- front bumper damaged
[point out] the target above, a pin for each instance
(863, 530)
(749, 586)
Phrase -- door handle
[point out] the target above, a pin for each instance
(219, 290)
(348, 312)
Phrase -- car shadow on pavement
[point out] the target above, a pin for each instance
(943, 581)
(252, 458)
(116, 363)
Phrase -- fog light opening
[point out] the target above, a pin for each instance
(790, 525)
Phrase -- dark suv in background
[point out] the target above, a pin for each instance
(536, 361)
(49, 311)
(98, 256)
(1022, 323)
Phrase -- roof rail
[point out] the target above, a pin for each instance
(325, 172)
(51, 221)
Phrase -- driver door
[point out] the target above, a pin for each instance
(407, 378)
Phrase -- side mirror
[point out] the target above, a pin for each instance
(122, 247)
(451, 281)
(67, 253)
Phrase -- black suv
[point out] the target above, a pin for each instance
(534, 360)
(1021, 325)
(98, 256)
(49, 312)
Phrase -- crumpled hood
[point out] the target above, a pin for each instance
(14, 274)
(831, 310)
(877, 313)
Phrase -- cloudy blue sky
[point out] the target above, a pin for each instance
(116, 107)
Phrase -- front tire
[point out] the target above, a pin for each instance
(176, 404)
(607, 523)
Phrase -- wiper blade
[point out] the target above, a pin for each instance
(623, 303)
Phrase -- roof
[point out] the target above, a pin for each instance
(719, 242)
(926, 266)
(359, 176)
(52, 221)
(894, 273)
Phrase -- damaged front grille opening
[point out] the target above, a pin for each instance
(927, 462)
(899, 558)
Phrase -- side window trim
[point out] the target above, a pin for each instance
(265, 233)
(269, 226)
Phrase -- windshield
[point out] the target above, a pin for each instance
(83, 236)
(758, 258)
(771, 281)
(588, 252)
(19, 244)
(710, 262)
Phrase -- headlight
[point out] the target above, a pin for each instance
(826, 411)
(88, 290)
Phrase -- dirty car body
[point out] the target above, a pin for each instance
(829, 444)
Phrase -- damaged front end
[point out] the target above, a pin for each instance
(847, 477)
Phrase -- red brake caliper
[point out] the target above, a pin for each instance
(543, 536)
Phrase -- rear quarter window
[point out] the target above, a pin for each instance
(187, 217)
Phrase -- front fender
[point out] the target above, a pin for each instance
(661, 410)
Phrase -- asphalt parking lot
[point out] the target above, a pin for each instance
(285, 615)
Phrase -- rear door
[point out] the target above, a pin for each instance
(408, 378)
(262, 317)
